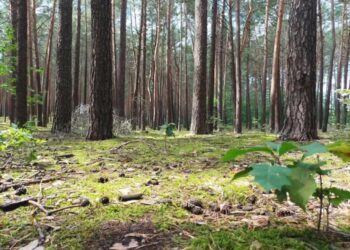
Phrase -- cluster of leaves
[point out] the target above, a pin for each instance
(15, 139)
(7, 64)
(298, 178)
(345, 93)
(169, 129)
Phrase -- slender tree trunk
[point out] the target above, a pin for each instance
(114, 62)
(101, 113)
(144, 58)
(248, 106)
(264, 73)
(37, 65)
(135, 97)
(187, 102)
(122, 60)
(22, 67)
(275, 120)
(211, 77)
(156, 73)
(86, 58)
(340, 67)
(198, 125)
(321, 57)
(221, 65)
(330, 74)
(14, 20)
(300, 124)
(77, 58)
(233, 63)
(238, 122)
(47, 73)
(31, 106)
(63, 106)
(170, 108)
(345, 84)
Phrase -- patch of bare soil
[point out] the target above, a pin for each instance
(113, 235)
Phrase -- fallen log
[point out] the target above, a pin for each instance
(8, 207)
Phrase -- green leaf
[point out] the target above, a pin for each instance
(283, 148)
(313, 167)
(338, 195)
(340, 149)
(243, 173)
(281, 194)
(232, 154)
(302, 186)
(271, 177)
(314, 148)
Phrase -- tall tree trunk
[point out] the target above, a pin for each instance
(77, 58)
(340, 67)
(14, 20)
(330, 74)
(135, 96)
(63, 105)
(114, 62)
(187, 101)
(264, 73)
(211, 76)
(248, 106)
(170, 107)
(85, 90)
(22, 67)
(198, 125)
(345, 84)
(221, 65)
(156, 72)
(47, 73)
(144, 80)
(300, 124)
(37, 65)
(101, 112)
(233, 63)
(31, 106)
(321, 58)
(122, 60)
(238, 121)
(275, 120)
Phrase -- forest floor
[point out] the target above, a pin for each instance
(189, 169)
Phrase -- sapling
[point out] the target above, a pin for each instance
(296, 181)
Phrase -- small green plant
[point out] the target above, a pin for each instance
(168, 132)
(19, 140)
(296, 180)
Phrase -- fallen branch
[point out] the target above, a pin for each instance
(39, 206)
(130, 197)
(16, 204)
(115, 150)
(5, 187)
(62, 209)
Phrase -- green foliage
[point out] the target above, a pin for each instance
(15, 139)
(169, 129)
(7, 63)
(297, 179)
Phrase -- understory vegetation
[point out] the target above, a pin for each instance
(188, 198)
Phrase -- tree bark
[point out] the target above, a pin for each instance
(321, 57)
(101, 111)
(275, 99)
(198, 125)
(300, 123)
(233, 63)
(77, 58)
(122, 60)
(238, 121)
(85, 90)
(211, 77)
(170, 109)
(14, 20)
(22, 66)
(330, 74)
(345, 84)
(63, 105)
(47, 73)
(264, 73)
